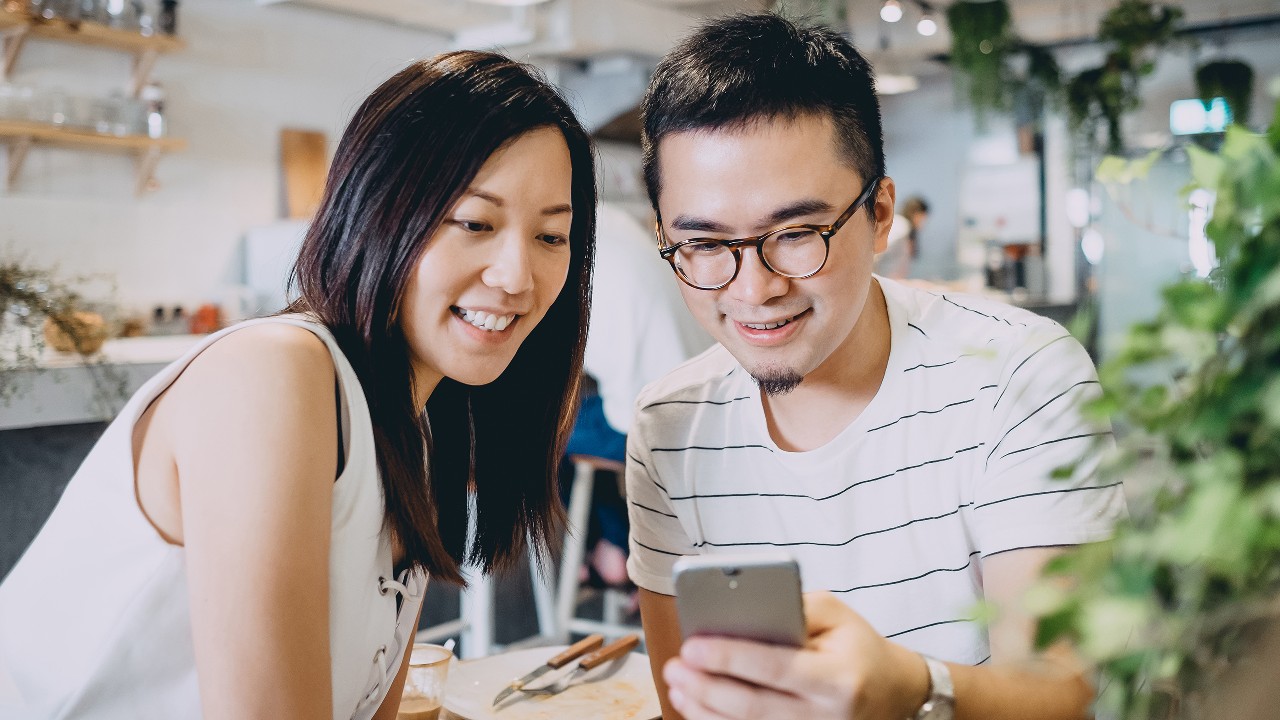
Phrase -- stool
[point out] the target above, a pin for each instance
(474, 626)
(575, 539)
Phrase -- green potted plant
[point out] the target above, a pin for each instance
(1231, 80)
(36, 309)
(1168, 607)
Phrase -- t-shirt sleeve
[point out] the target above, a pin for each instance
(1039, 425)
(657, 537)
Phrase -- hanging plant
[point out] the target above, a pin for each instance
(1134, 26)
(1100, 97)
(1228, 79)
(982, 40)
(1170, 606)
(1135, 30)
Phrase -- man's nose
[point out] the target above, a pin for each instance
(755, 283)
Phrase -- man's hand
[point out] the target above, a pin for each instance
(845, 670)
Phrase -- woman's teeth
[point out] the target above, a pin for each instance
(484, 320)
(767, 326)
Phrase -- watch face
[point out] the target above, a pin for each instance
(936, 709)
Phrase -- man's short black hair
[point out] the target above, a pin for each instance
(742, 68)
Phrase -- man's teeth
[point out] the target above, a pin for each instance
(486, 321)
(768, 326)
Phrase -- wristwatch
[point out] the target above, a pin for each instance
(941, 704)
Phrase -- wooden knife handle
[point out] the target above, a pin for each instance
(615, 649)
(585, 645)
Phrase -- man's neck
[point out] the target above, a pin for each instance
(834, 394)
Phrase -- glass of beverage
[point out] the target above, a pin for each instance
(424, 684)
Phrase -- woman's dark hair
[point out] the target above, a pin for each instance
(407, 156)
(740, 68)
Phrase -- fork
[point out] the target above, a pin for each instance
(616, 649)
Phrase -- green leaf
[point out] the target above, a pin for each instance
(1108, 624)
(1206, 168)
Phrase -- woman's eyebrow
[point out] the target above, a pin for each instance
(558, 209)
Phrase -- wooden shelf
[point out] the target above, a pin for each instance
(16, 28)
(21, 136)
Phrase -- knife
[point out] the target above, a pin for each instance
(616, 649)
(574, 651)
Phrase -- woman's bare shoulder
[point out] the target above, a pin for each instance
(273, 368)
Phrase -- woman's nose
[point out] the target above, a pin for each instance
(508, 266)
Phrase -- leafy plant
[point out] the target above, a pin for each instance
(1102, 95)
(982, 39)
(1135, 26)
(32, 303)
(1134, 29)
(1231, 80)
(1168, 605)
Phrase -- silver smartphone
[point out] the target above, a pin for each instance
(753, 597)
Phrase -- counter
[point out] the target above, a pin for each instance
(61, 391)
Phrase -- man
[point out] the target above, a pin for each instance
(899, 443)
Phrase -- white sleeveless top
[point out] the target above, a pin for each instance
(94, 619)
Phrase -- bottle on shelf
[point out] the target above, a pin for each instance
(152, 97)
(168, 22)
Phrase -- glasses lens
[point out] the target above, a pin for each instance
(795, 252)
(705, 264)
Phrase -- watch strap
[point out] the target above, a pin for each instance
(942, 693)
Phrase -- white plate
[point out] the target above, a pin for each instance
(618, 690)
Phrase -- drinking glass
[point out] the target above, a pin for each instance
(424, 684)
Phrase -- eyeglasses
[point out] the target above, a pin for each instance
(794, 251)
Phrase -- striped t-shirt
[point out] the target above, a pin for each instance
(950, 463)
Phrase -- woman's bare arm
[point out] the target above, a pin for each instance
(252, 427)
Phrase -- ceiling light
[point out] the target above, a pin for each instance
(510, 3)
(891, 11)
(927, 26)
(890, 84)
(1093, 246)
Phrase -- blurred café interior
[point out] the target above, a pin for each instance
(162, 158)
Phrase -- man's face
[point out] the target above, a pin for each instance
(741, 182)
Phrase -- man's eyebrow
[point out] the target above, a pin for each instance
(782, 215)
(561, 209)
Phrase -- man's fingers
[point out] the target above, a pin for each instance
(771, 666)
(823, 612)
(703, 696)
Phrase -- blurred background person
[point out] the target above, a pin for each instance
(639, 331)
(904, 239)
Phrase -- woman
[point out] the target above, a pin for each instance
(225, 550)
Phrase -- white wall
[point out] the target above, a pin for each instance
(247, 72)
(926, 145)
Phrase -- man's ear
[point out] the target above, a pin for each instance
(886, 196)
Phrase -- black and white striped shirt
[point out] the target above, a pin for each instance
(950, 463)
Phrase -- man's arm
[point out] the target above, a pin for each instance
(661, 640)
(847, 670)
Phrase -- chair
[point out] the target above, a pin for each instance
(556, 611)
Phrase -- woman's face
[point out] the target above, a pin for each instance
(495, 266)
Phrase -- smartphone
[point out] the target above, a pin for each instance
(753, 597)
